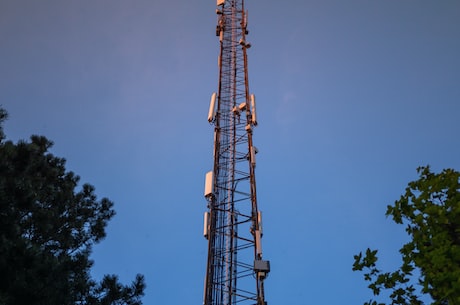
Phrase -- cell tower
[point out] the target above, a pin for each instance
(235, 271)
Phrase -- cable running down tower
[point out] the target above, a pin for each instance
(235, 271)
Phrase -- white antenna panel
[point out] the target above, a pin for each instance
(259, 220)
(253, 156)
(206, 225)
(253, 109)
(212, 107)
(258, 242)
(208, 184)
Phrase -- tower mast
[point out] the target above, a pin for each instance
(235, 271)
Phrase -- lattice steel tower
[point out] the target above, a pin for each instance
(235, 271)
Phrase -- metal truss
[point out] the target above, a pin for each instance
(235, 268)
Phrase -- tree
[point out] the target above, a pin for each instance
(430, 210)
(47, 230)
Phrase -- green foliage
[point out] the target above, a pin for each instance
(430, 210)
(47, 230)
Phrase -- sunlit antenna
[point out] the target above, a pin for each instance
(235, 270)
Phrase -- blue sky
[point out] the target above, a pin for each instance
(352, 97)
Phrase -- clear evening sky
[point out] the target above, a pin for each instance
(352, 97)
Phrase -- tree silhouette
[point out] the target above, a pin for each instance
(47, 230)
(430, 210)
